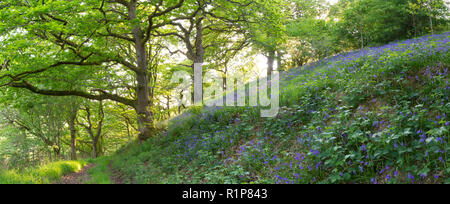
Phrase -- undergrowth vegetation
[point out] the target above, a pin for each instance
(100, 173)
(378, 115)
(42, 175)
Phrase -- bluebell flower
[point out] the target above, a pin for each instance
(363, 147)
(411, 177)
(315, 152)
(388, 177)
(423, 176)
(373, 181)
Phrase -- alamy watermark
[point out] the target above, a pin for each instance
(236, 93)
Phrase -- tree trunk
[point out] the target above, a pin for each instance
(414, 25)
(362, 37)
(278, 60)
(145, 117)
(57, 148)
(145, 121)
(224, 83)
(198, 60)
(181, 103)
(73, 136)
(168, 106)
(430, 16)
(95, 148)
(270, 63)
(431, 25)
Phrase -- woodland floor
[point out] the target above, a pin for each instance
(80, 177)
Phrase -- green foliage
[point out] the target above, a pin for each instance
(270, 30)
(374, 22)
(311, 37)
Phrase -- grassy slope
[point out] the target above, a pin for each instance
(373, 116)
(42, 175)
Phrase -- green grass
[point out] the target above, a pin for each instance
(42, 175)
(100, 173)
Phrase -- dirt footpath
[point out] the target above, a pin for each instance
(80, 177)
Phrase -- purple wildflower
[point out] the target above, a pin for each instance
(411, 177)
(373, 181)
(388, 177)
(363, 147)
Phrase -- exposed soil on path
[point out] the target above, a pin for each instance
(80, 177)
(116, 176)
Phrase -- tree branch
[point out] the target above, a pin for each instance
(103, 95)
(158, 14)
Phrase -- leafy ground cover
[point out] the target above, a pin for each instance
(378, 115)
